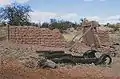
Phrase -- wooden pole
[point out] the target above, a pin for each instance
(8, 32)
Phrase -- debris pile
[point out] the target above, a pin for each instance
(12, 51)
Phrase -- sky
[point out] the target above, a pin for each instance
(103, 11)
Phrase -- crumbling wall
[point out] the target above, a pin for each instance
(36, 36)
(95, 36)
(104, 37)
(89, 37)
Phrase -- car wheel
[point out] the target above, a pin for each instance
(104, 59)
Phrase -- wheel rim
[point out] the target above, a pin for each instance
(106, 61)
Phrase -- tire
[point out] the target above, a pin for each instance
(102, 60)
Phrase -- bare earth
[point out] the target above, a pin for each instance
(13, 69)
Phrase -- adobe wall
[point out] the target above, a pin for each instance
(96, 37)
(104, 37)
(36, 36)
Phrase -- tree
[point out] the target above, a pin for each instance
(45, 25)
(61, 24)
(115, 27)
(53, 21)
(34, 24)
(15, 14)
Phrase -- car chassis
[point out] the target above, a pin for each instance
(88, 57)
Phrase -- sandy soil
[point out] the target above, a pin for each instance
(14, 70)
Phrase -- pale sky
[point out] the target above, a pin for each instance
(72, 10)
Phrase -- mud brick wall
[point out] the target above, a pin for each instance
(36, 36)
(104, 37)
(96, 36)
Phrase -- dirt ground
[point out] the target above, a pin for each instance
(14, 69)
(116, 66)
